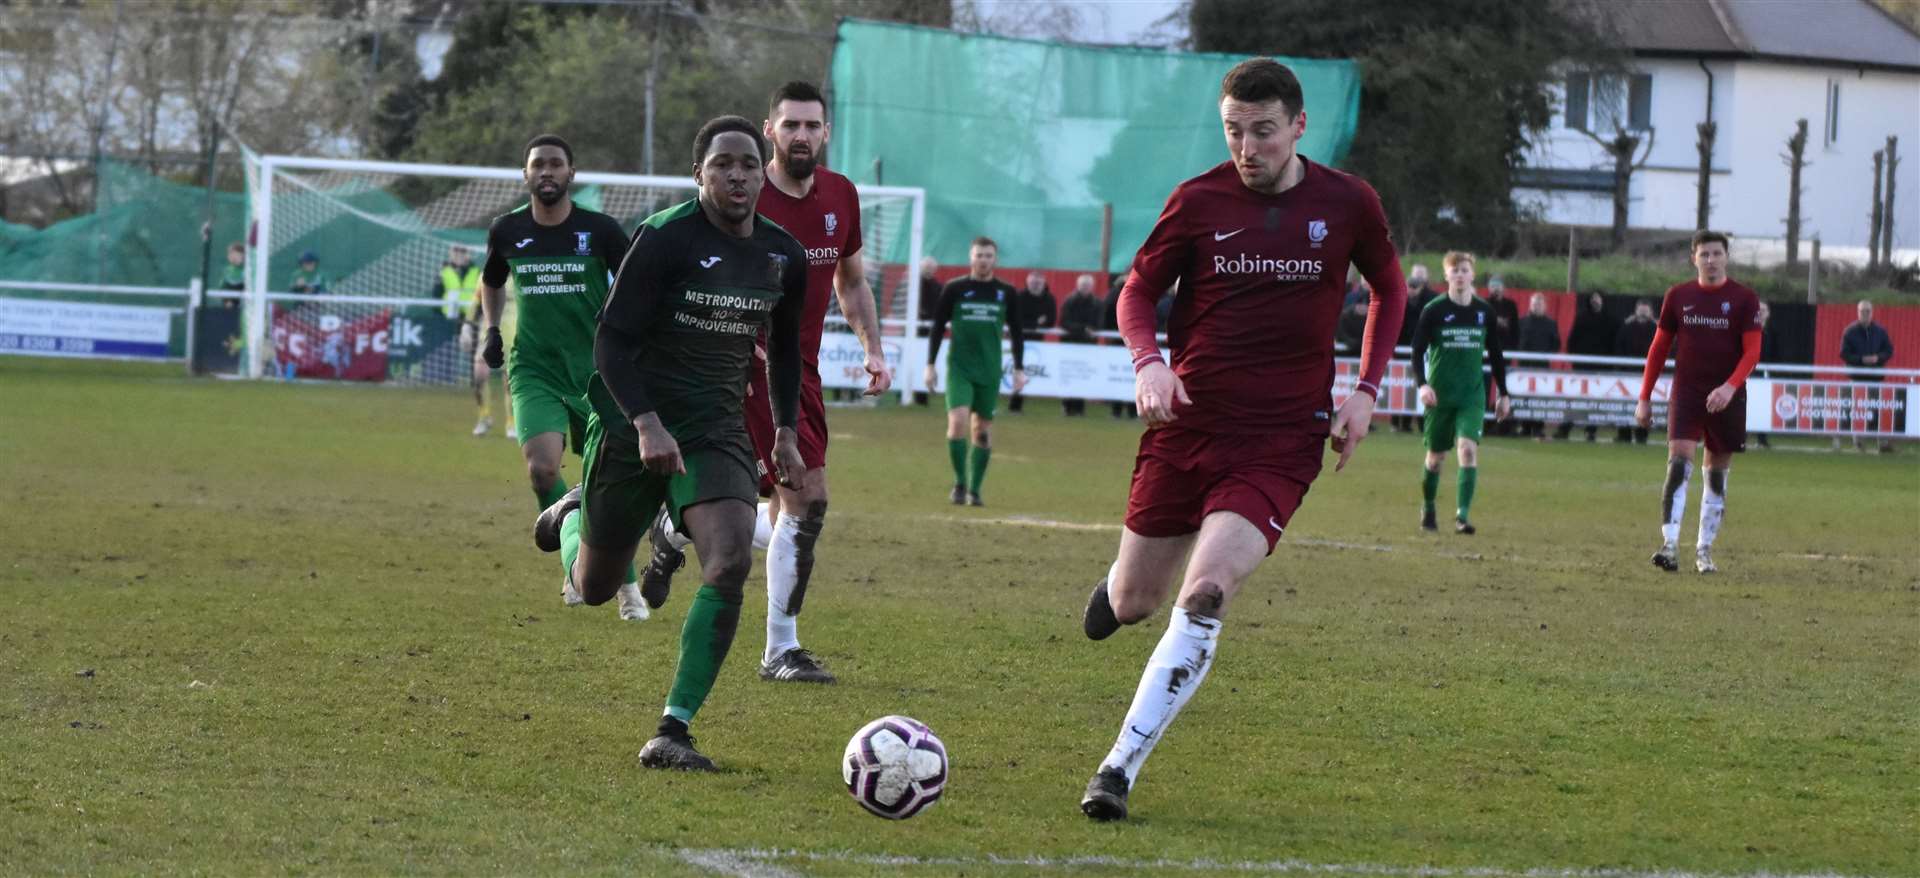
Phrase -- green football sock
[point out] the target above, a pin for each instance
(569, 542)
(980, 457)
(704, 642)
(957, 450)
(1429, 486)
(553, 494)
(1468, 475)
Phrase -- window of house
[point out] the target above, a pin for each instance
(1579, 85)
(1608, 103)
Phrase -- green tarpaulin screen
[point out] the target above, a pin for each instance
(1024, 141)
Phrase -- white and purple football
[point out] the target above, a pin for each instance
(895, 766)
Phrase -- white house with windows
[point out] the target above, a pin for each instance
(1753, 67)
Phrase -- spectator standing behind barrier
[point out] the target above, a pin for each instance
(1769, 353)
(1111, 323)
(1592, 335)
(234, 277)
(1418, 295)
(1507, 324)
(308, 278)
(1079, 317)
(1866, 345)
(929, 297)
(1037, 312)
(1539, 334)
(1632, 340)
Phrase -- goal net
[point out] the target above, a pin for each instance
(378, 234)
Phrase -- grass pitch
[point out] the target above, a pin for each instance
(255, 627)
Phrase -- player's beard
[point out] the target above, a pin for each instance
(549, 197)
(799, 167)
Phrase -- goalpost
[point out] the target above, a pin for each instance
(381, 231)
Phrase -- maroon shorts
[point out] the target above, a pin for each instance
(1182, 476)
(1725, 430)
(812, 427)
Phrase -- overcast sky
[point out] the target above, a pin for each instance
(1105, 21)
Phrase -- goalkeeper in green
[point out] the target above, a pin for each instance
(1454, 335)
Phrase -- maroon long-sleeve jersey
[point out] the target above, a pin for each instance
(1261, 279)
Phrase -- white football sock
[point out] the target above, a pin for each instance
(1673, 499)
(1178, 665)
(762, 527)
(783, 551)
(1713, 506)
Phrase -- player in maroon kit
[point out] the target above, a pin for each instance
(1236, 427)
(1717, 324)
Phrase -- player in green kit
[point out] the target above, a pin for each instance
(1454, 335)
(559, 256)
(978, 306)
(668, 427)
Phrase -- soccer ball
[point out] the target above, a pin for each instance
(895, 766)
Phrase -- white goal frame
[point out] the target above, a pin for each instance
(260, 289)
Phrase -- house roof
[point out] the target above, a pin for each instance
(1842, 32)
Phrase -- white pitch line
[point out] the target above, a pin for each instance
(737, 861)
(738, 864)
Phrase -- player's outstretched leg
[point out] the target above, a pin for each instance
(1227, 551)
(725, 527)
(1673, 506)
(1429, 491)
(789, 568)
(666, 558)
(1713, 507)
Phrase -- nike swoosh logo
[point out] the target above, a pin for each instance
(1686, 307)
(1217, 236)
(709, 262)
(1275, 524)
(523, 243)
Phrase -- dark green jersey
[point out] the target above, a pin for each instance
(559, 275)
(977, 310)
(1449, 344)
(693, 298)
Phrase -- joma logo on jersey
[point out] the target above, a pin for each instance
(582, 243)
(1290, 270)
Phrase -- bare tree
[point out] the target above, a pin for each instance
(1874, 218)
(1886, 227)
(1702, 208)
(1622, 147)
(1796, 159)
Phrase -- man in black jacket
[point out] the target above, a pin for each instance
(1592, 334)
(1866, 345)
(1079, 319)
(1632, 340)
(1540, 334)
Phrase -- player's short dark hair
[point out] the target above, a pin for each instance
(984, 241)
(547, 140)
(797, 91)
(1708, 236)
(719, 125)
(1258, 80)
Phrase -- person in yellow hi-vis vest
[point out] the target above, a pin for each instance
(458, 286)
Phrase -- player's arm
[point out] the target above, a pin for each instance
(1373, 252)
(1751, 341)
(856, 305)
(637, 300)
(1018, 340)
(942, 310)
(1497, 360)
(1155, 270)
(1656, 360)
(493, 297)
(783, 368)
(1422, 328)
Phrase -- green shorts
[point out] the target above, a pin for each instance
(981, 397)
(620, 498)
(541, 406)
(1445, 422)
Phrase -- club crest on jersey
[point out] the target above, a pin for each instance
(833, 222)
(583, 243)
(1726, 307)
(1480, 317)
(1316, 231)
(776, 267)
